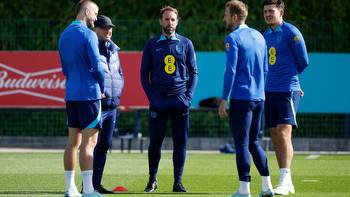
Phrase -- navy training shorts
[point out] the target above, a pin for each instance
(84, 114)
(281, 108)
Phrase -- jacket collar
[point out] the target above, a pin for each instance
(277, 29)
(240, 27)
(162, 38)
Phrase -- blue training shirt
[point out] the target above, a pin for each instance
(246, 65)
(169, 67)
(287, 58)
(80, 60)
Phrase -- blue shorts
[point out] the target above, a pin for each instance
(281, 108)
(84, 114)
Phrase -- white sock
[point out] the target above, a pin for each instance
(244, 187)
(266, 183)
(87, 181)
(285, 177)
(70, 182)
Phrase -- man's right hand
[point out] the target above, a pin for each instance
(222, 109)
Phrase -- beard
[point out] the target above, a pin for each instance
(168, 30)
(272, 20)
(229, 26)
(90, 23)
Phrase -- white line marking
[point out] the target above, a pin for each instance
(312, 156)
(311, 181)
(55, 98)
(33, 74)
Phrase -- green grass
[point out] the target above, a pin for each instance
(214, 175)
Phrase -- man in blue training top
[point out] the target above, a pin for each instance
(244, 80)
(169, 77)
(113, 83)
(287, 58)
(80, 60)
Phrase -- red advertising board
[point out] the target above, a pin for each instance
(34, 79)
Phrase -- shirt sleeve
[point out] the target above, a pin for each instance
(145, 71)
(63, 64)
(231, 50)
(96, 67)
(298, 46)
(191, 64)
(266, 64)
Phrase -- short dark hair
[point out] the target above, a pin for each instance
(279, 3)
(238, 8)
(81, 4)
(167, 8)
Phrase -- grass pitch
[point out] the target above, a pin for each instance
(207, 175)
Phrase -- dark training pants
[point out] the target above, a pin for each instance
(178, 112)
(104, 142)
(245, 123)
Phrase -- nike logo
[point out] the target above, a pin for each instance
(287, 118)
(159, 49)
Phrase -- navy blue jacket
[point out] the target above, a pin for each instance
(113, 80)
(169, 67)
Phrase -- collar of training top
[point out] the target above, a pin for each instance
(163, 37)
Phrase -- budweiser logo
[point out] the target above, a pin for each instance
(36, 84)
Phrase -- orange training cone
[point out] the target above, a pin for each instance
(120, 188)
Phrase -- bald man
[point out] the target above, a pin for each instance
(80, 61)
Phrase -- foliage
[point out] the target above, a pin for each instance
(36, 25)
(296, 10)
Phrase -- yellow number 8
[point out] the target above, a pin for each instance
(169, 67)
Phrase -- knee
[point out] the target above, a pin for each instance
(274, 133)
(280, 137)
(88, 145)
(103, 145)
(72, 146)
(179, 145)
(155, 145)
(179, 141)
(241, 143)
(253, 145)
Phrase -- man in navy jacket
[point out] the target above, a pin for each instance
(169, 77)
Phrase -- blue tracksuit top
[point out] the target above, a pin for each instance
(114, 79)
(287, 58)
(246, 65)
(80, 60)
(169, 67)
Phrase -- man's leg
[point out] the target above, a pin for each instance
(282, 134)
(157, 125)
(286, 104)
(70, 159)
(258, 154)
(282, 140)
(240, 123)
(103, 144)
(89, 139)
(180, 126)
